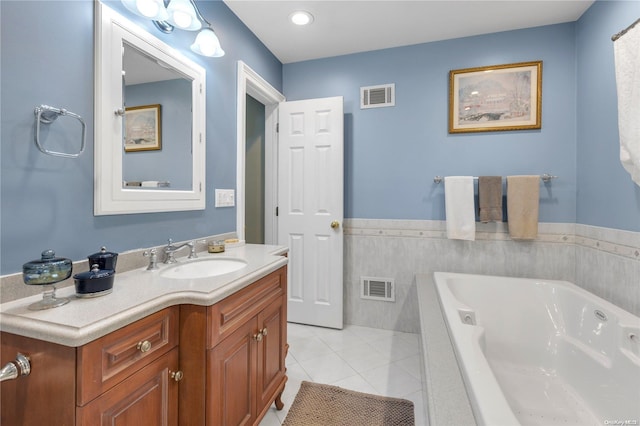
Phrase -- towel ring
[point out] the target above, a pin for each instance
(46, 114)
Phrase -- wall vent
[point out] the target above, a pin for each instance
(375, 288)
(383, 95)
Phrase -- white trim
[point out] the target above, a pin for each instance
(111, 32)
(250, 83)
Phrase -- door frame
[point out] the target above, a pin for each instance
(251, 83)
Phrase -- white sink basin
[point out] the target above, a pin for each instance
(203, 268)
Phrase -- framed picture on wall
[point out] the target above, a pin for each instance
(496, 98)
(143, 128)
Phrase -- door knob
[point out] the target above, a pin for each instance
(335, 224)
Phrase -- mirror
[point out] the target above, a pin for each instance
(150, 122)
(157, 124)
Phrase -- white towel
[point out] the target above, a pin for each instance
(627, 60)
(459, 208)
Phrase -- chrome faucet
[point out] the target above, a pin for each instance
(170, 250)
(152, 254)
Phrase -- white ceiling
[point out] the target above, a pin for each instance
(342, 27)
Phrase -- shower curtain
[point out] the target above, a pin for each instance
(627, 64)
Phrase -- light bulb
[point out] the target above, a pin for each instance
(183, 15)
(182, 19)
(301, 18)
(207, 44)
(147, 8)
(150, 9)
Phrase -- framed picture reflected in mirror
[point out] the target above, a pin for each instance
(143, 128)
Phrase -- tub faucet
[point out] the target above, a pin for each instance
(170, 250)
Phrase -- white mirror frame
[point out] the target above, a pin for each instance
(111, 31)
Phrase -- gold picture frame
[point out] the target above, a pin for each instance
(143, 128)
(496, 98)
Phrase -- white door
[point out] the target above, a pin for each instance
(310, 205)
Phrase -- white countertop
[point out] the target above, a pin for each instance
(136, 294)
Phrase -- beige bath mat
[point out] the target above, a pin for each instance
(324, 405)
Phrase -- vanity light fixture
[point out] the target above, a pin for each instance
(301, 17)
(182, 14)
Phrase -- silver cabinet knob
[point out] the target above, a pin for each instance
(177, 375)
(144, 346)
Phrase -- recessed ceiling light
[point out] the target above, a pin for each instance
(301, 17)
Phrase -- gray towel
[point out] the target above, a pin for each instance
(490, 198)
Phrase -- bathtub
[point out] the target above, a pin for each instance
(541, 352)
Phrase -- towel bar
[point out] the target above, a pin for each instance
(545, 178)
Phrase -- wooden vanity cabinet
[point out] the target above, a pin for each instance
(241, 363)
(124, 377)
(229, 356)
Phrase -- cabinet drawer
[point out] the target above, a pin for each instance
(148, 397)
(107, 361)
(227, 315)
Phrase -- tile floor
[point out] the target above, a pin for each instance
(363, 359)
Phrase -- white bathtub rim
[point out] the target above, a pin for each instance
(446, 399)
(486, 397)
(485, 394)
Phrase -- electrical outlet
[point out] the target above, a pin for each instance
(225, 198)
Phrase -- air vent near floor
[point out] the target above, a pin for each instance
(375, 288)
(383, 95)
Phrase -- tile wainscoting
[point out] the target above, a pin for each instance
(601, 260)
(608, 265)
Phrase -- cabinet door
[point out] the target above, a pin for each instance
(47, 395)
(148, 397)
(271, 353)
(231, 378)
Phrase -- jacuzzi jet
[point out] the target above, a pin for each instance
(467, 317)
(600, 315)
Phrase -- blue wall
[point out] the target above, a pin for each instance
(47, 202)
(392, 154)
(607, 196)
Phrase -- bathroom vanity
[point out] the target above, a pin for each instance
(157, 351)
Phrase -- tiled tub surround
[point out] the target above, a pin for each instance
(604, 261)
(12, 287)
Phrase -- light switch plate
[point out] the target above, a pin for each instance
(225, 198)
